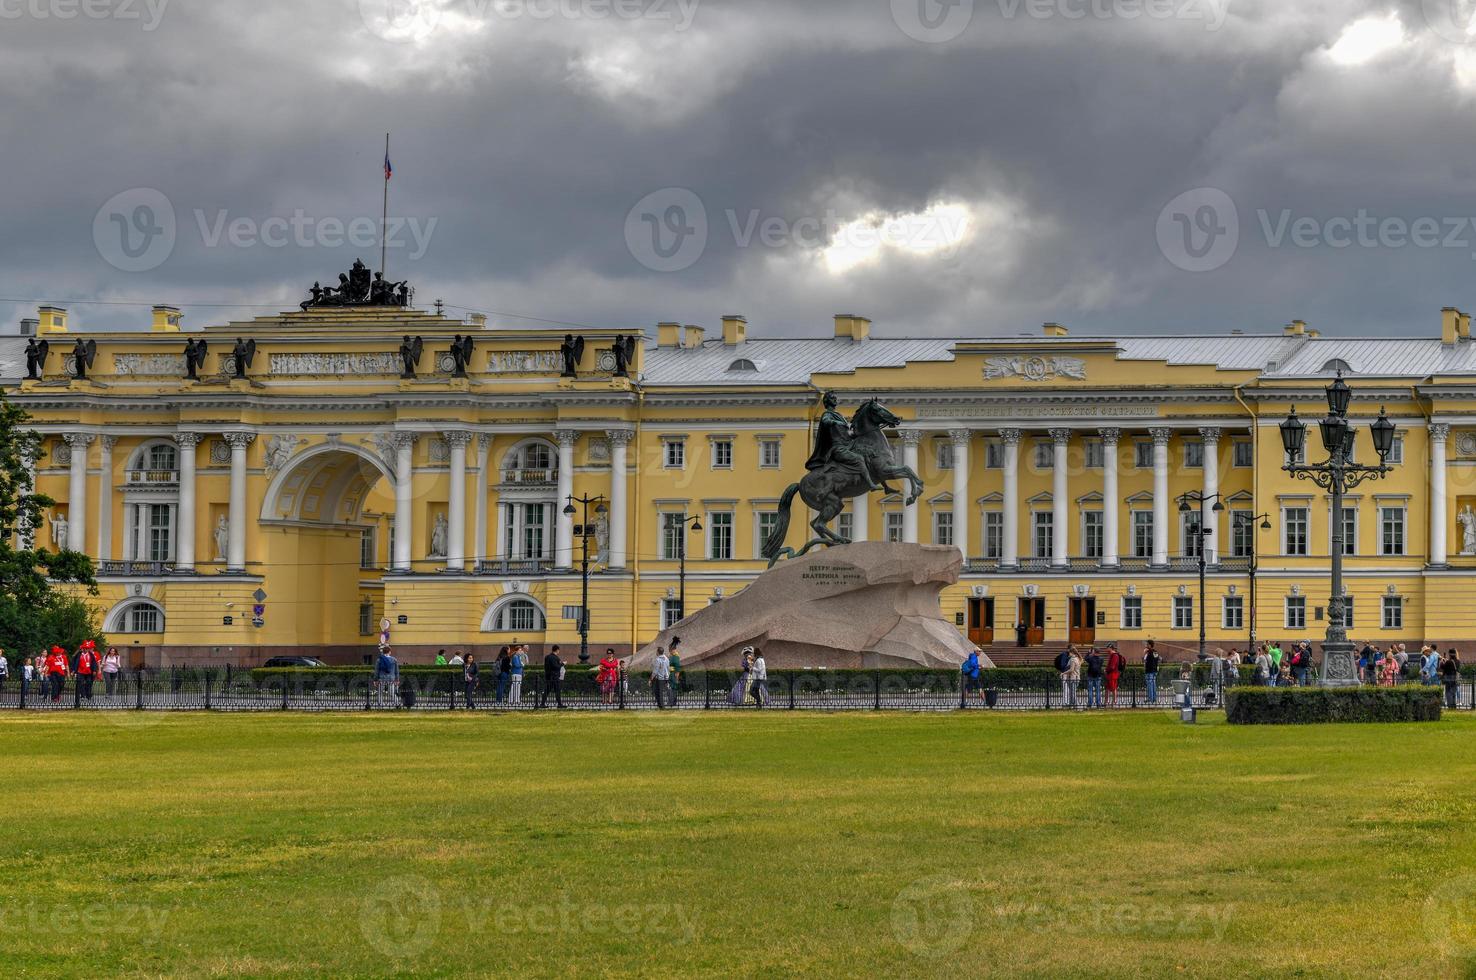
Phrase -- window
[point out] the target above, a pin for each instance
(1396, 452)
(743, 364)
(671, 612)
(366, 618)
(1143, 455)
(1350, 530)
(676, 454)
(1243, 455)
(894, 527)
(535, 531)
(1143, 534)
(1045, 455)
(1190, 528)
(144, 619)
(1193, 454)
(1393, 612)
(159, 520)
(720, 536)
(1347, 612)
(1294, 531)
(993, 455)
(1045, 539)
(764, 523)
(519, 616)
(1095, 454)
(943, 527)
(845, 523)
(1183, 612)
(368, 549)
(1234, 615)
(943, 453)
(162, 457)
(1391, 530)
(1242, 533)
(993, 534)
(769, 454)
(673, 534)
(722, 454)
(1132, 612)
(1296, 612)
(1091, 534)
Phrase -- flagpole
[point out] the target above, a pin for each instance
(384, 217)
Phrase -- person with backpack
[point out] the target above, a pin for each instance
(1095, 670)
(1263, 669)
(1299, 664)
(1450, 675)
(1151, 663)
(971, 670)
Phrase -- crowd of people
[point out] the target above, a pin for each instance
(47, 674)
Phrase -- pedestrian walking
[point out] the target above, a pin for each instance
(519, 663)
(553, 678)
(739, 693)
(28, 677)
(384, 672)
(469, 676)
(608, 676)
(678, 680)
(111, 665)
(1402, 655)
(1151, 661)
(1273, 672)
(1232, 668)
(1301, 659)
(760, 676)
(56, 673)
(1450, 675)
(1071, 678)
(1115, 666)
(1429, 664)
(1389, 669)
(87, 668)
(504, 673)
(660, 677)
(4, 671)
(971, 672)
(1262, 676)
(1094, 673)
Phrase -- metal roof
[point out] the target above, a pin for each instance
(12, 359)
(781, 361)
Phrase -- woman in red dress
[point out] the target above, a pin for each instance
(608, 676)
(1115, 664)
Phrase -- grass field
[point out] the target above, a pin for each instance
(857, 844)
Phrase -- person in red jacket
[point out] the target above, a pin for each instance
(1115, 665)
(56, 672)
(87, 668)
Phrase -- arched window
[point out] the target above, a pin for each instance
(1337, 365)
(517, 616)
(743, 364)
(141, 616)
(162, 457)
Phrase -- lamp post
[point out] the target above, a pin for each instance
(1201, 532)
(696, 523)
(1338, 475)
(584, 534)
(1243, 520)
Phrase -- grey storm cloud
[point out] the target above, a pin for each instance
(944, 166)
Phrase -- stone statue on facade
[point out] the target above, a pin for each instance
(1467, 520)
(571, 352)
(36, 351)
(359, 287)
(59, 526)
(222, 538)
(84, 353)
(624, 350)
(244, 352)
(194, 357)
(410, 351)
(461, 352)
(439, 535)
(851, 459)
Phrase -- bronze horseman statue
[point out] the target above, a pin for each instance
(851, 459)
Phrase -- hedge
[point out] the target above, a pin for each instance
(1319, 705)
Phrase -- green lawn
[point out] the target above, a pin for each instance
(719, 844)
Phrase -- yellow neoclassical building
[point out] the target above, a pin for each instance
(302, 489)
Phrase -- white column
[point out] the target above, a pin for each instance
(1161, 439)
(130, 532)
(480, 552)
(619, 443)
(1110, 438)
(456, 504)
(105, 500)
(404, 443)
(911, 438)
(1060, 512)
(184, 548)
(1010, 440)
(861, 518)
(564, 526)
(1439, 433)
(961, 503)
(504, 516)
(77, 492)
(236, 535)
(1211, 437)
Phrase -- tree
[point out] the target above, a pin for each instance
(36, 608)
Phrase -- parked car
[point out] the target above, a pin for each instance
(294, 662)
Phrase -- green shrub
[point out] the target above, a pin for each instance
(1317, 705)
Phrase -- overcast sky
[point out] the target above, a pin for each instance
(964, 168)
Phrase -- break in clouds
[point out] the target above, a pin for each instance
(944, 166)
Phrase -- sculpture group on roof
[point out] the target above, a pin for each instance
(358, 287)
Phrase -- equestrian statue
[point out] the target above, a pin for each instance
(851, 459)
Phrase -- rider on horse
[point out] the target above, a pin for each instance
(833, 438)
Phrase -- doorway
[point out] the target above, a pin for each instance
(1031, 623)
(1084, 622)
(981, 622)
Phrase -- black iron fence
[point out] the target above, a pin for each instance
(223, 689)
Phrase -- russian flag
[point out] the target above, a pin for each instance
(389, 171)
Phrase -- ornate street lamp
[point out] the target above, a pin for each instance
(1245, 520)
(1338, 475)
(1203, 531)
(585, 531)
(696, 523)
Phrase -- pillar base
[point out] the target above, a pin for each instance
(1339, 665)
